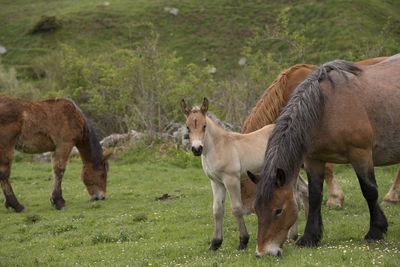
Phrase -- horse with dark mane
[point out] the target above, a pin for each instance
(340, 113)
(267, 110)
(55, 125)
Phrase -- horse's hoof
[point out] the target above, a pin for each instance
(59, 204)
(374, 234)
(306, 242)
(293, 238)
(243, 242)
(215, 244)
(334, 203)
(389, 201)
(17, 207)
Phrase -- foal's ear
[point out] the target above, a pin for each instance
(185, 109)
(204, 107)
(280, 178)
(253, 177)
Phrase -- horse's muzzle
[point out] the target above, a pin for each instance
(98, 196)
(197, 150)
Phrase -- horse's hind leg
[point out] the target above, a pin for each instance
(59, 162)
(219, 193)
(363, 166)
(5, 168)
(232, 184)
(335, 192)
(394, 193)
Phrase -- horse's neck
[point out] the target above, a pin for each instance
(89, 149)
(214, 133)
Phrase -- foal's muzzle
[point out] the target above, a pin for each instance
(197, 150)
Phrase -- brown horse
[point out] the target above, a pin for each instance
(267, 111)
(55, 125)
(341, 113)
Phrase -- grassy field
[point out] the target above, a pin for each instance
(132, 228)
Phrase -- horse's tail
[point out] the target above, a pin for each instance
(297, 124)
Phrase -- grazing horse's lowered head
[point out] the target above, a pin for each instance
(196, 125)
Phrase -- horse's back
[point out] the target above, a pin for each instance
(40, 125)
(362, 111)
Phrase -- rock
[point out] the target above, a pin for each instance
(212, 70)
(3, 50)
(173, 10)
(242, 61)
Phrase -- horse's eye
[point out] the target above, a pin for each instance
(278, 212)
(204, 128)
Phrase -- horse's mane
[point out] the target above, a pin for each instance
(89, 138)
(272, 101)
(295, 127)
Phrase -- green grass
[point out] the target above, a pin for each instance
(131, 228)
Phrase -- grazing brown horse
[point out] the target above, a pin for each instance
(267, 111)
(340, 113)
(55, 125)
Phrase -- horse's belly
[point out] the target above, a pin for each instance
(34, 143)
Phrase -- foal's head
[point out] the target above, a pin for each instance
(196, 125)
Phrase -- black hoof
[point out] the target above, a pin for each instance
(306, 242)
(59, 204)
(16, 206)
(374, 234)
(215, 244)
(243, 242)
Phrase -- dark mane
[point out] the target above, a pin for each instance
(89, 138)
(295, 127)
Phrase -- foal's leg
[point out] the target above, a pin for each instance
(59, 161)
(6, 158)
(219, 193)
(394, 193)
(313, 232)
(335, 193)
(363, 166)
(232, 184)
(301, 195)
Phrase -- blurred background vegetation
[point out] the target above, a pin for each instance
(128, 63)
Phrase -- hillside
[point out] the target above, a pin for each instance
(216, 30)
(93, 49)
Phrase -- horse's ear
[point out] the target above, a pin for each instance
(280, 178)
(204, 107)
(185, 109)
(253, 177)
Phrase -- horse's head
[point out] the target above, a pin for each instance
(276, 215)
(196, 125)
(95, 178)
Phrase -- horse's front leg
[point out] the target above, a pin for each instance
(6, 158)
(219, 193)
(59, 161)
(313, 232)
(300, 195)
(232, 184)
